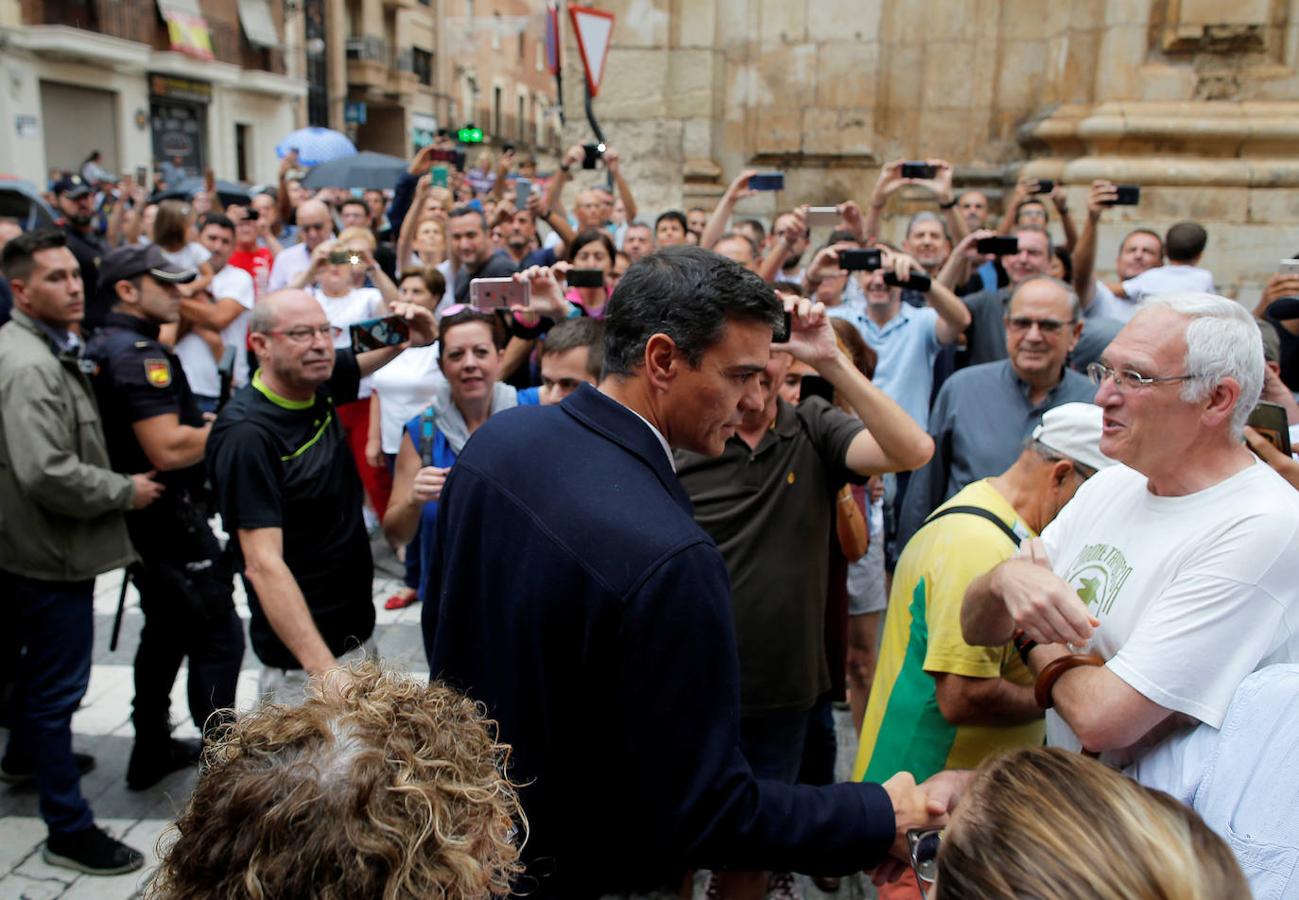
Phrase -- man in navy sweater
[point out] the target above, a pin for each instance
(583, 606)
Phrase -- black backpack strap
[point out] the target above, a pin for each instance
(975, 511)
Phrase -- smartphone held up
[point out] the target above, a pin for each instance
(490, 294)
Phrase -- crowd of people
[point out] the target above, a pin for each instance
(667, 491)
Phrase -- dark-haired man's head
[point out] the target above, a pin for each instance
(696, 219)
(737, 248)
(1185, 243)
(687, 334)
(572, 353)
(1142, 249)
(44, 277)
(638, 241)
(670, 229)
(217, 233)
(353, 213)
(467, 233)
(753, 229)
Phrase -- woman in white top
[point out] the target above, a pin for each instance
(402, 389)
(336, 278)
(198, 347)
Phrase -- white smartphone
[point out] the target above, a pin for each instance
(822, 216)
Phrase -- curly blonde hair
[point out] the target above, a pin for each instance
(381, 787)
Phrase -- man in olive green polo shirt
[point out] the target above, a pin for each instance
(768, 502)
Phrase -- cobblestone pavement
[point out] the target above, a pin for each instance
(102, 727)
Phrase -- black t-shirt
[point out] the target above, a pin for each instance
(136, 378)
(277, 463)
(1289, 359)
(498, 265)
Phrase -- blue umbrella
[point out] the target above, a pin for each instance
(366, 170)
(316, 145)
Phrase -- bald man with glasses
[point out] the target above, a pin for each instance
(315, 226)
(289, 493)
(983, 413)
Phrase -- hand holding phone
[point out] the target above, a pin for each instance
(585, 278)
(375, 334)
(1126, 195)
(823, 216)
(918, 169)
(487, 294)
(592, 154)
(866, 260)
(1269, 420)
(998, 246)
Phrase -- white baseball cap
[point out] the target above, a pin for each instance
(1074, 431)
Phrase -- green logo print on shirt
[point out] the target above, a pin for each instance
(1098, 574)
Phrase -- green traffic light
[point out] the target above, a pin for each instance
(470, 135)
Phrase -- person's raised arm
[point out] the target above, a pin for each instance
(953, 316)
(282, 190)
(410, 224)
(423, 331)
(1061, 203)
(387, 290)
(503, 166)
(374, 433)
(890, 180)
(1101, 194)
(281, 598)
(413, 485)
(720, 220)
(1023, 190)
(558, 224)
(963, 260)
(783, 246)
(891, 440)
(613, 162)
(573, 156)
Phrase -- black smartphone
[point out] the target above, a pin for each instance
(918, 281)
(1001, 246)
(587, 278)
(781, 335)
(343, 258)
(867, 260)
(917, 169)
(1269, 420)
(1283, 309)
(375, 334)
(593, 154)
(1126, 195)
(767, 181)
(815, 386)
(1044, 186)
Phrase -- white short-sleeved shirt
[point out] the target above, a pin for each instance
(1193, 593)
(289, 264)
(405, 386)
(196, 356)
(234, 283)
(1107, 306)
(361, 304)
(1167, 280)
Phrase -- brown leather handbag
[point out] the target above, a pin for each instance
(850, 525)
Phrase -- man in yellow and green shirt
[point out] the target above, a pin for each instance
(938, 703)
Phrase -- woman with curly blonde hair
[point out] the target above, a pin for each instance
(378, 786)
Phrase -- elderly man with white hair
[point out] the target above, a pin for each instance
(1170, 578)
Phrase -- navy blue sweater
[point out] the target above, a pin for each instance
(582, 604)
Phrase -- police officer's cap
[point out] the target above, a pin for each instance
(126, 263)
(71, 186)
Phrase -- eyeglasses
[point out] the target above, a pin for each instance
(1046, 326)
(924, 844)
(1127, 380)
(305, 333)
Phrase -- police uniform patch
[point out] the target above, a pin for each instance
(157, 372)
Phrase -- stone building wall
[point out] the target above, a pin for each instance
(1196, 100)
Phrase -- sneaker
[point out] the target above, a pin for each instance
(24, 773)
(151, 763)
(92, 851)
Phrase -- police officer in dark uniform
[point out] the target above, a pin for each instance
(185, 580)
(76, 200)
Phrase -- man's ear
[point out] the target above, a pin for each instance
(1061, 472)
(1222, 400)
(661, 360)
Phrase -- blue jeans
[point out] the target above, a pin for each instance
(54, 624)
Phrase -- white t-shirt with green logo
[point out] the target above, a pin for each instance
(1193, 593)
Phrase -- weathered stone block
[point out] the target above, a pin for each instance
(947, 82)
(847, 74)
(693, 80)
(695, 23)
(1278, 206)
(1021, 75)
(639, 23)
(839, 20)
(782, 22)
(633, 85)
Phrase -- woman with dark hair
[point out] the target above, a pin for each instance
(469, 355)
(592, 249)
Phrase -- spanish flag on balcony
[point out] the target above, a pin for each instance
(187, 30)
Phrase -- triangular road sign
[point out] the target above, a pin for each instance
(593, 28)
